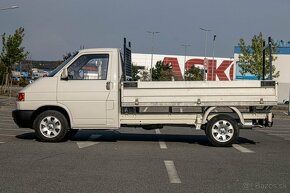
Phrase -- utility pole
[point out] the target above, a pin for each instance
(213, 46)
(289, 104)
(264, 59)
(269, 47)
(270, 56)
(205, 47)
(152, 49)
(185, 53)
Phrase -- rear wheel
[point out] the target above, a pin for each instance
(51, 126)
(222, 131)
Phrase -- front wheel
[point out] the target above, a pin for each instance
(222, 131)
(51, 126)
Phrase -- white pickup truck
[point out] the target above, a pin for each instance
(87, 91)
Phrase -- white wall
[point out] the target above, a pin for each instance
(282, 64)
(145, 60)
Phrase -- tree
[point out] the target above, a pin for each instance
(139, 73)
(194, 73)
(251, 58)
(12, 51)
(144, 75)
(2, 73)
(162, 72)
(135, 72)
(68, 55)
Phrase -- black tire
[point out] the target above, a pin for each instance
(51, 126)
(222, 131)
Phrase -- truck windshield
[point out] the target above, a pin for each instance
(57, 69)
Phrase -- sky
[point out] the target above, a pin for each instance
(55, 27)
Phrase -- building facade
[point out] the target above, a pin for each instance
(217, 68)
(220, 69)
(282, 65)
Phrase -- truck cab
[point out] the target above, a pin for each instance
(83, 92)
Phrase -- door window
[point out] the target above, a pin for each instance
(89, 67)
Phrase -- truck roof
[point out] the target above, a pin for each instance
(90, 50)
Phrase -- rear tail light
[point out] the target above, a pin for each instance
(21, 96)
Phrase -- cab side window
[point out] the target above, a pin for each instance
(89, 67)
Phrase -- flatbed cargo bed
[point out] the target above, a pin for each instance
(199, 93)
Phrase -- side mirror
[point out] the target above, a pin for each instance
(64, 74)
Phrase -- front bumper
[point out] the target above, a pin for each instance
(23, 118)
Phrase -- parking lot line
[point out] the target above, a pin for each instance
(6, 135)
(162, 145)
(242, 149)
(5, 119)
(279, 134)
(271, 129)
(16, 129)
(89, 142)
(285, 131)
(157, 131)
(171, 171)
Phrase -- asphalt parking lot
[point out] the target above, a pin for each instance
(135, 160)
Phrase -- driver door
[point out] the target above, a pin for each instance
(85, 93)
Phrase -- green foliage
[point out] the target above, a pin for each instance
(144, 75)
(194, 73)
(28, 64)
(2, 72)
(251, 57)
(68, 55)
(12, 51)
(162, 72)
(139, 73)
(135, 72)
(22, 82)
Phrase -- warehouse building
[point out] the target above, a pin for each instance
(221, 69)
(282, 65)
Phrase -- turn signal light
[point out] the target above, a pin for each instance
(21, 96)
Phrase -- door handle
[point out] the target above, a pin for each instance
(108, 85)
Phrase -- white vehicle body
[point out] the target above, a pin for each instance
(99, 99)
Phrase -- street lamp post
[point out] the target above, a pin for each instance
(152, 50)
(213, 46)
(185, 49)
(11, 7)
(205, 47)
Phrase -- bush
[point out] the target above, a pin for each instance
(22, 82)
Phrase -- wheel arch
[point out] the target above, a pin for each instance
(52, 107)
(234, 109)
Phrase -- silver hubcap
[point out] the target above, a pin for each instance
(50, 126)
(222, 131)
